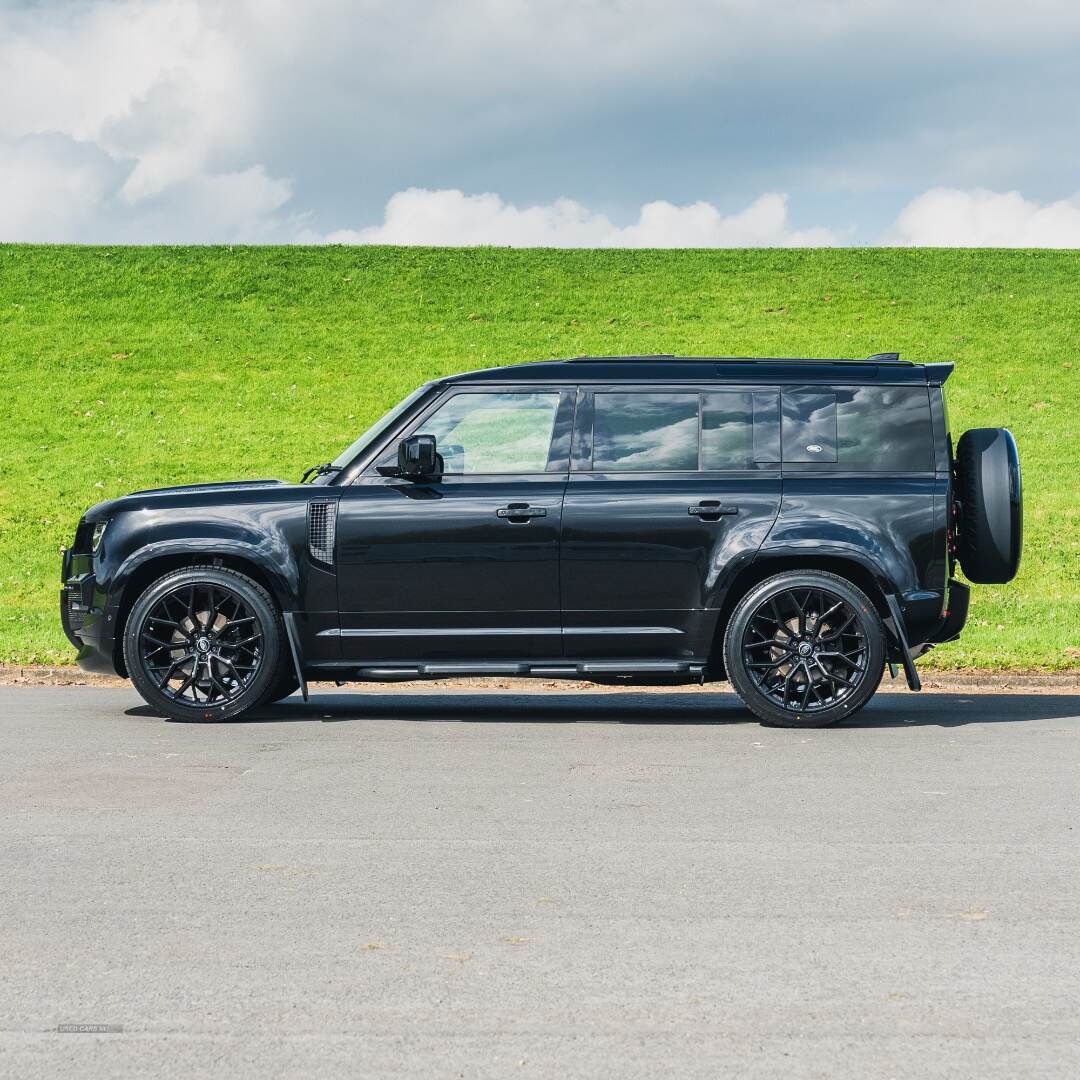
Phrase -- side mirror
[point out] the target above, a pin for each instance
(417, 457)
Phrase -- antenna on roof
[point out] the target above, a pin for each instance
(883, 358)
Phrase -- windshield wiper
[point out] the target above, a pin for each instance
(320, 470)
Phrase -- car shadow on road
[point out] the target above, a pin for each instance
(926, 709)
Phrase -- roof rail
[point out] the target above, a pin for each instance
(628, 359)
(877, 358)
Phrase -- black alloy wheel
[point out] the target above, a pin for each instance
(805, 649)
(203, 644)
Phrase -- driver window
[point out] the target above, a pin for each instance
(493, 432)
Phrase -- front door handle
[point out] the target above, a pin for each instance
(520, 513)
(710, 510)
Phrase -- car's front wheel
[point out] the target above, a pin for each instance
(285, 682)
(805, 649)
(202, 644)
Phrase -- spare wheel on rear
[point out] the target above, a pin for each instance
(991, 522)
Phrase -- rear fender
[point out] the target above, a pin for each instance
(884, 545)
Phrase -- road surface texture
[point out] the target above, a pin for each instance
(612, 885)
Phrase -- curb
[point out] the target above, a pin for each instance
(969, 681)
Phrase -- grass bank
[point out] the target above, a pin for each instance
(131, 367)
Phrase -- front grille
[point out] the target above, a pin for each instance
(322, 518)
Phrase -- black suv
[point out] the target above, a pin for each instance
(789, 525)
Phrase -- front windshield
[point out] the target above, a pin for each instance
(378, 427)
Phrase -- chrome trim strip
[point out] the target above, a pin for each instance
(446, 631)
(493, 631)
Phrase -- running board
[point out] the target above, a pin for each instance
(568, 669)
(895, 624)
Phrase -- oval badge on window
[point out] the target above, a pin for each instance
(813, 448)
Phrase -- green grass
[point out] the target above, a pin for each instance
(129, 367)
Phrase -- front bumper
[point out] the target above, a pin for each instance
(85, 615)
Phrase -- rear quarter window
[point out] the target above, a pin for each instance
(884, 429)
(859, 429)
(809, 427)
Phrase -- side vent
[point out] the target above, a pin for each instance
(322, 518)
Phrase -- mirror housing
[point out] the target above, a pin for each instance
(418, 458)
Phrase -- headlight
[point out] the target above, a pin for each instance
(99, 531)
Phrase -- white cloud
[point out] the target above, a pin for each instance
(451, 217)
(948, 217)
(160, 110)
(115, 109)
(50, 187)
(239, 207)
(55, 189)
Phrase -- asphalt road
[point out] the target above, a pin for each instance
(616, 885)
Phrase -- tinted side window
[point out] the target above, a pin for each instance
(884, 428)
(740, 429)
(640, 432)
(493, 432)
(809, 426)
(767, 426)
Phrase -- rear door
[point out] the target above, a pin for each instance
(669, 487)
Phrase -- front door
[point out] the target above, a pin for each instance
(670, 490)
(465, 566)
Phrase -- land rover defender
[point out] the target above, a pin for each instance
(792, 526)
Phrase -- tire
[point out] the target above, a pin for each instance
(203, 644)
(810, 670)
(989, 490)
(286, 683)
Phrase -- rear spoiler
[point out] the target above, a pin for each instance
(936, 374)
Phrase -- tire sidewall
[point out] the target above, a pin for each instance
(754, 699)
(285, 683)
(262, 608)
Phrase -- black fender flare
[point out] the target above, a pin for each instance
(278, 566)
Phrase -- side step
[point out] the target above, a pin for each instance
(568, 669)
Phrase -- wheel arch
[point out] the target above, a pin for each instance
(142, 572)
(865, 575)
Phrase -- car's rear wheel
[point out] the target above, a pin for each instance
(202, 644)
(805, 649)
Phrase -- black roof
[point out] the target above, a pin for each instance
(881, 368)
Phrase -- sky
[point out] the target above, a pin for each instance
(569, 123)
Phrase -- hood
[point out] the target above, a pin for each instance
(226, 485)
(148, 496)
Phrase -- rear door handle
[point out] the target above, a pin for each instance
(711, 511)
(520, 513)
